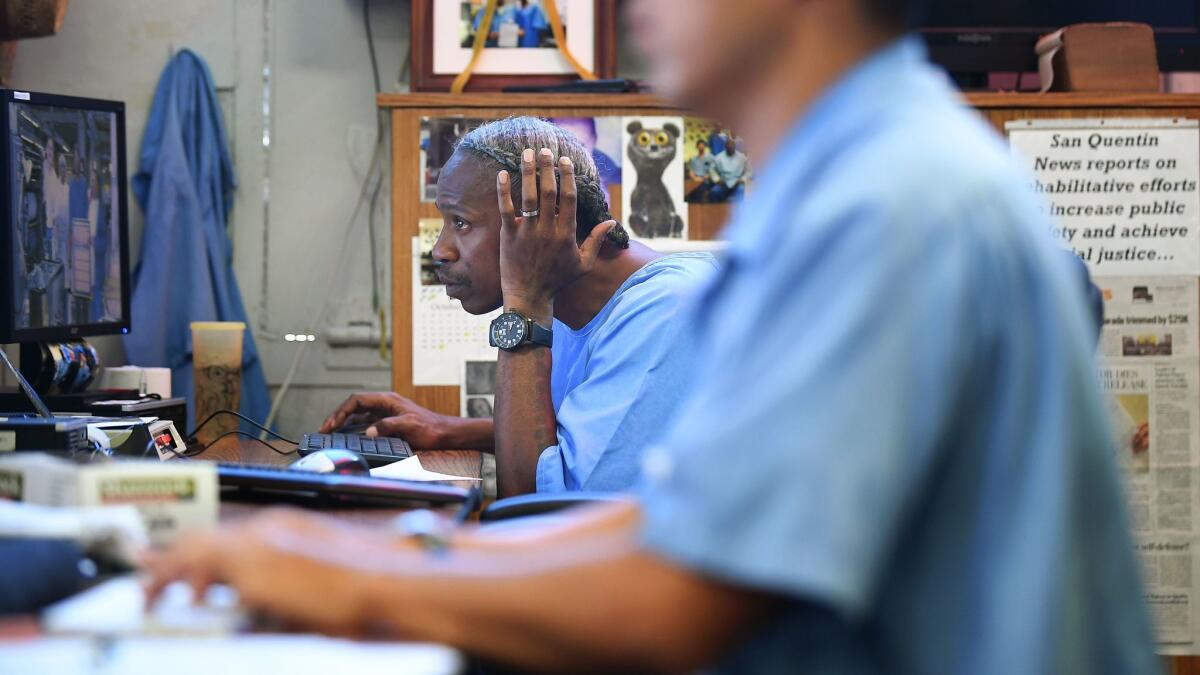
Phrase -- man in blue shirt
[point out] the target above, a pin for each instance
(577, 416)
(895, 458)
(533, 22)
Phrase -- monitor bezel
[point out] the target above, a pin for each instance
(9, 333)
(977, 49)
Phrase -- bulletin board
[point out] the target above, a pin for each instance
(407, 111)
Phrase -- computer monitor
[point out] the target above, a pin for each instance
(64, 230)
(979, 37)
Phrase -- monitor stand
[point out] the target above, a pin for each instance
(30, 395)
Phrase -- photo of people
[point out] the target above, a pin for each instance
(515, 23)
(652, 178)
(439, 136)
(1146, 345)
(66, 239)
(428, 230)
(479, 406)
(1130, 414)
(479, 388)
(601, 135)
(717, 170)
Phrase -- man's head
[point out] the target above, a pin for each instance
(730, 146)
(738, 37)
(467, 251)
(701, 148)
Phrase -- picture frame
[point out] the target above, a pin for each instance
(438, 54)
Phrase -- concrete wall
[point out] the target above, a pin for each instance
(322, 124)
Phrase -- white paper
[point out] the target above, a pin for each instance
(1149, 368)
(1123, 194)
(652, 178)
(410, 468)
(444, 334)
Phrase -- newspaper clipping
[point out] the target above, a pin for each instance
(1124, 194)
(1148, 367)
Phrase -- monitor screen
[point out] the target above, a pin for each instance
(1051, 15)
(968, 37)
(67, 235)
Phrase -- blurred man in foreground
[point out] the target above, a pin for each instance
(877, 472)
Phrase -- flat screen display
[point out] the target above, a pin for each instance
(66, 221)
(1054, 14)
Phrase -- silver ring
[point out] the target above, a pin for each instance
(530, 214)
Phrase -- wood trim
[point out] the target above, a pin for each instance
(424, 79)
(523, 101)
(1075, 101)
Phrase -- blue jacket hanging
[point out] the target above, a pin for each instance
(184, 185)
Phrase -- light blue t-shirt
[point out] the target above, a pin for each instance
(729, 169)
(896, 427)
(617, 379)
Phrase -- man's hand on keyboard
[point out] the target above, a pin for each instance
(286, 564)
(390, 414)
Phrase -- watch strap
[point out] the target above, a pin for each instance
(539, 334)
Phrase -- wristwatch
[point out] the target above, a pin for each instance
(512, 330)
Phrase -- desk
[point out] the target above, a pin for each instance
(233, 449)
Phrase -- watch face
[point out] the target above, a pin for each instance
(508, 330)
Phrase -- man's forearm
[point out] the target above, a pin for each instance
(524, 418)
(574, 597)
(470, 434)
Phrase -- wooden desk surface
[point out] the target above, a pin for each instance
(234, 449)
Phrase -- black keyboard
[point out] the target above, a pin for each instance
(259, 480)
(377, 451)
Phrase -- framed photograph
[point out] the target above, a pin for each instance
(520, 48)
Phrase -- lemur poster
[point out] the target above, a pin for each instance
(652, 202)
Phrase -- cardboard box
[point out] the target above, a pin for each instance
(171, 497)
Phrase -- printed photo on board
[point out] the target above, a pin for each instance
(479, 388)
(716, 168)
(428, 230)
(602, 136)
(439, 136)
(1130, 414)
(652, 185)
(515, 23)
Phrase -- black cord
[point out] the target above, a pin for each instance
(371, 42)
(252, 437)
(474, 499)
(192, 436)
(378, 135)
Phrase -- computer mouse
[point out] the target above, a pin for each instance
(334, 460)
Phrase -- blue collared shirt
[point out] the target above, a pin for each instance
(896, 427)
(616, 379)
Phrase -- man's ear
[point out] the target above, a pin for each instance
(671, 129)
(634, 127)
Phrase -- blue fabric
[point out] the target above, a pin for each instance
(616, 379)
(896, 427)
(185, 184)
(532, 21)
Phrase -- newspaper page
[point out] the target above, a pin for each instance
(1124, 194)
(1149, 367)
(444, 334)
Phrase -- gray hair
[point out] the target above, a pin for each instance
(501, 142)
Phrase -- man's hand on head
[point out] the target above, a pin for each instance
(539, 253)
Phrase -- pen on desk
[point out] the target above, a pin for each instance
(474, 499)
